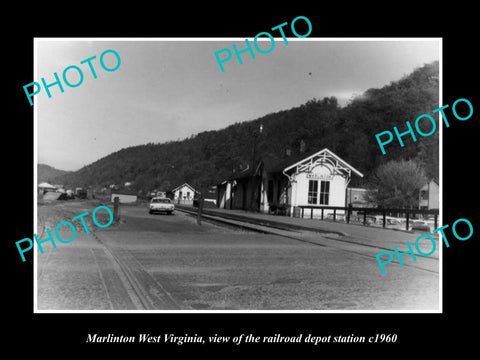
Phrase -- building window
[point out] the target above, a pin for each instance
(324, 192)
(312, 191)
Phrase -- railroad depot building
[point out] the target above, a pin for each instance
(318, 179)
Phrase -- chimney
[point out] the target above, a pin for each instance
(302, 146)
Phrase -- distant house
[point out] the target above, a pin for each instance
(318, 179)
(184, 194)
(429, 195)
(125, 197)
(45, 187)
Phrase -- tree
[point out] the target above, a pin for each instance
(398, 184)
(209, 157)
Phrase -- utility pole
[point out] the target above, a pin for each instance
(116, 208)
(253, 182)
(202, 190)
(200, 209)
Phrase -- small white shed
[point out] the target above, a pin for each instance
(184, 194)
(124, 198)
(45, 187)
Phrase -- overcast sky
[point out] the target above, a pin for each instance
(169, 90)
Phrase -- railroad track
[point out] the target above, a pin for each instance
(135, 282)
(146, 293)
(333, 240)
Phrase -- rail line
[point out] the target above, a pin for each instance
(156, 297)
(144, 291)
(147, 293)
(258, 228)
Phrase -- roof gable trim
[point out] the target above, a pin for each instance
(324, 152)
(185, 184)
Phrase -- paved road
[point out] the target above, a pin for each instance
(161, 262)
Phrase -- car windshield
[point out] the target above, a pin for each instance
(165, 201)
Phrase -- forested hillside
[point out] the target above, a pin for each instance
(46, 173)
(209, 157)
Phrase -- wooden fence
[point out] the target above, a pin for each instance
(365, 215)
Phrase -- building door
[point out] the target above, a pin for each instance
(244, 196)
(259, 195)
(270, 192)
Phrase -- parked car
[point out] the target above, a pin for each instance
(161, 204)
(421, 225)
(370, 220)
(81, 193)
(393, 223)
(338, 217)
(390, 221)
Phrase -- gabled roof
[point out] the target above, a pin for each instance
(185, 184)
(273, 165)
(46, 185)
(324, 154)
(427, 185)
(247, 172)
